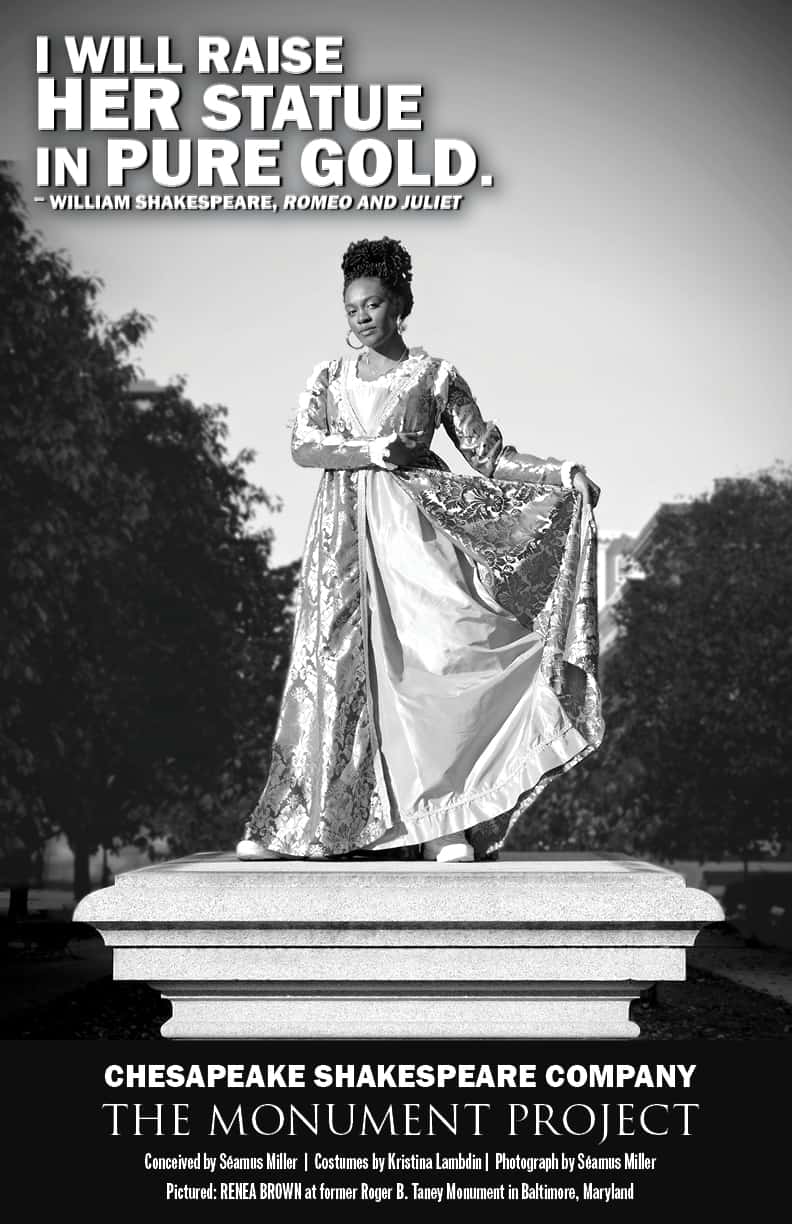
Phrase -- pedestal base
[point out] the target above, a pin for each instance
(538, 946)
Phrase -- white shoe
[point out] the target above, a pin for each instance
(453, 848)
(250, 851)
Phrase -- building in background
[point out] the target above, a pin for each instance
(145, 392)
(613, 564)
(621, 559)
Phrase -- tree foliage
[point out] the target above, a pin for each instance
(697, 755)
(144, 632)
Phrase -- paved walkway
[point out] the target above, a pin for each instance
(727, 955)
(35, 979)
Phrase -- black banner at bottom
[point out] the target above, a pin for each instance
(565, 1127)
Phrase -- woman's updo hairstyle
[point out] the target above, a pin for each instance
(386, 259)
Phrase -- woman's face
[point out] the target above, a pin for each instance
(371, 313)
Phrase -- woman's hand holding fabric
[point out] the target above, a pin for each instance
(402, 450)
(586, 486)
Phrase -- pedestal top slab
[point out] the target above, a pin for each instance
(530, 889)
(533, 864)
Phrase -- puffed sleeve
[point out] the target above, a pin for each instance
(481, 442)
(312, 444)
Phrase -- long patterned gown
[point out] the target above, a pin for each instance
(444, 660)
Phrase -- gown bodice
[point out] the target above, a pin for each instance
(415, 397)
(367, 397)
(403, 399)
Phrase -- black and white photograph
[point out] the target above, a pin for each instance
(396, 519)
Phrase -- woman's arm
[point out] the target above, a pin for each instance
(481, 442)
(312, 443)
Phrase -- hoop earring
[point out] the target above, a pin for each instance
(349, 342)
(400, 325)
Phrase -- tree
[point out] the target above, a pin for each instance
(219, 619)
(137, 594)
(697, 754)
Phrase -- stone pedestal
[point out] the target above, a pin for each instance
(545, 946)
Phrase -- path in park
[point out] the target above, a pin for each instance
(35, 979)
(726, 954)
(30, 978)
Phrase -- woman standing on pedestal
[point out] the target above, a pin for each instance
(444, 657)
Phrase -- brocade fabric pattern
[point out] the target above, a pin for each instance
(444, 660)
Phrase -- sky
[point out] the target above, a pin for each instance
(621, 295)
